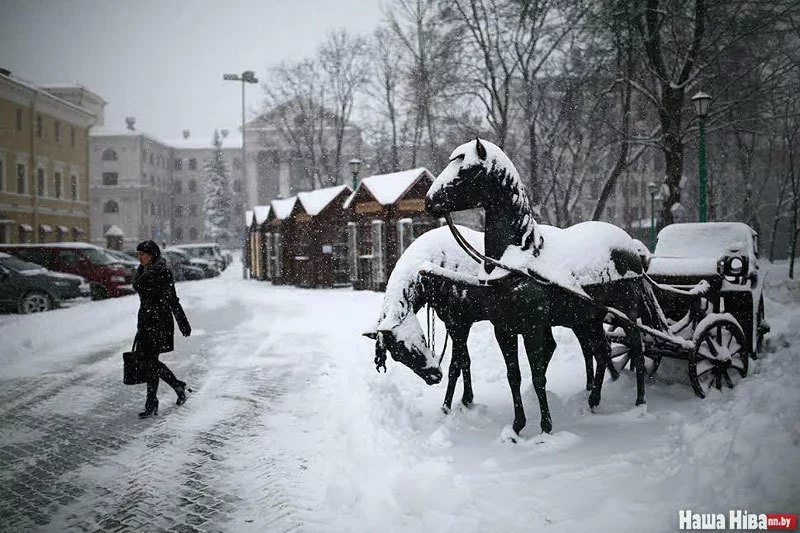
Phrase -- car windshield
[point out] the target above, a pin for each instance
(18, 264)
(97, 257)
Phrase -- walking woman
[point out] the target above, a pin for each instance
(155, 328)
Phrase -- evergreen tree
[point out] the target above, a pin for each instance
(218, 198)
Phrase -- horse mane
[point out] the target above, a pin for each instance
(502, 169)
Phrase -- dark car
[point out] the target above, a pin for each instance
(28, 288)
(208, 251)
(182, 267)
(106, 277)
(208, 266)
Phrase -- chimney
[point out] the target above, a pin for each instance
(186, 134)
(224, 133)
(130, 122)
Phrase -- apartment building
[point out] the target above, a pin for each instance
(44, 169)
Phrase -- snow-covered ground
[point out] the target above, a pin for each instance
(310, 437)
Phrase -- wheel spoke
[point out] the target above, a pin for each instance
(711, 347)
(728, 381)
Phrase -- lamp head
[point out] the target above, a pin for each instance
(701, 102)
(355, 166)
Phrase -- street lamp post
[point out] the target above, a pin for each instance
(701, 102)
(652, 188)
(355, 167)
(248, 76)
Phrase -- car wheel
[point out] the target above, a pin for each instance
(98, 292)
(35, 302)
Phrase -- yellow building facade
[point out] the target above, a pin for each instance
(44, 161)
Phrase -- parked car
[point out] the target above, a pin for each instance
(123, 259)
(192, 268)
(208, 250)
(28, 288)
(105, 277)
(724, 254)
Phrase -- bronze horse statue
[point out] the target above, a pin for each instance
(570, 277)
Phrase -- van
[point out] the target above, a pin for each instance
(106, 277)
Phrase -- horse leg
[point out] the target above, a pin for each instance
(540, 346)
(460, 346)
(452, 378)
(637, 359)
(586, 348)
(507, 340)
(600, 348)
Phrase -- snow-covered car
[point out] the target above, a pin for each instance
(123, 259)
(208, 251)
(724, 254)
(181, 265)
(27, 288)
(209, 267)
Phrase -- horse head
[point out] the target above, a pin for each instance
(480, 174)
(406, 343)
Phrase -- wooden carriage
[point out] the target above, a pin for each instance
(385, 212)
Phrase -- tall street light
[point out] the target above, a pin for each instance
(248, 76)
(652, 188)
(701, 102)
(355, 167)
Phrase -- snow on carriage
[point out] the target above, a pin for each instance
(706, 282)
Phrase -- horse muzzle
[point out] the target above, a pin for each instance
(431, 375)
(435, 207)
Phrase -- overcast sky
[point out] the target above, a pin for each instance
(162, 60)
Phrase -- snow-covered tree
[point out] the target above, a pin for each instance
(218, 196)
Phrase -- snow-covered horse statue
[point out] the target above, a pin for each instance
(567, 277)
(457, 303)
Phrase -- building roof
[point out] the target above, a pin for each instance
(314, 202)
(202, 143)
(42, 90)
(283, 208)
(388, 188)
(261, 212)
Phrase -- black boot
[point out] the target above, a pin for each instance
(150, 408)
(181, 390)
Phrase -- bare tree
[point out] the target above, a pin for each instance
(344, 60)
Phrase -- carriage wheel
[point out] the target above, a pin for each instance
(720, 356)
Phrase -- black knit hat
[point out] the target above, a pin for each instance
(150, 248)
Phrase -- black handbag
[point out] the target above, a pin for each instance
(135, 368)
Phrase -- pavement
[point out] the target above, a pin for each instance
(76, 457)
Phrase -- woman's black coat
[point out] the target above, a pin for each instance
(158, 304)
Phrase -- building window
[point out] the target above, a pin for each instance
(109, 154)
(74, 187)
(237, 186)
(152, 209)
(20, 178)
(111, 207)
(19, 119)
(192, 210)
(106, 227)
(155, 233)
(151, 158)
(178, 187)
(152, 180)
(192, 186)
(193, 233)
(178, 211)
(58, 184)
(110, 178)
(237, 163)
(24, 234)
(72, 136)
(39, 126)
(178, 163)
(179, 234)
(193, 164)
(40, 182)
(57, 130)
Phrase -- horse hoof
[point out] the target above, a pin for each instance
(445, 410)
(547, 427)
(518, 426)
(467, 402)
(594, 400)
(640, 401)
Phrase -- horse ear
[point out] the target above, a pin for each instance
(480, 149)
